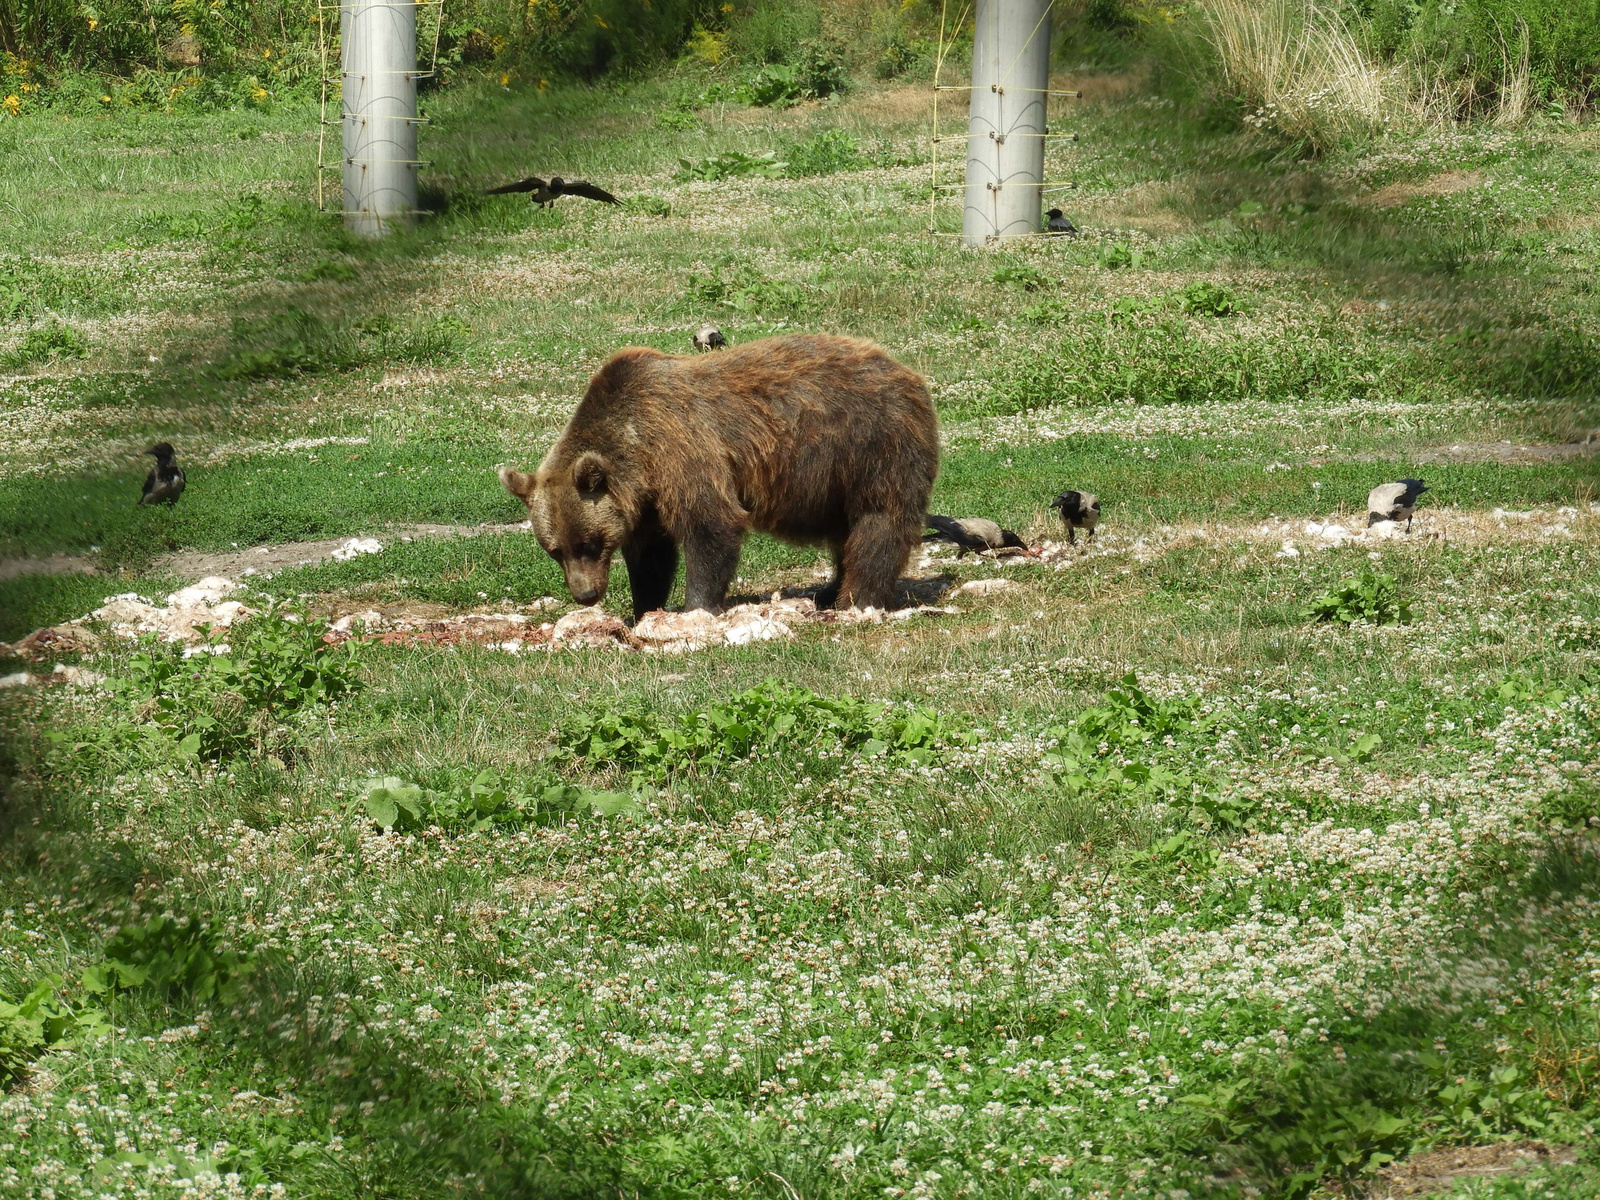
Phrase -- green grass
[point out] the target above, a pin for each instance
(1294, 901)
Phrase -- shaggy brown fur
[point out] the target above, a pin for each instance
(814, 439)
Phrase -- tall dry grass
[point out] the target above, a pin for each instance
(1300, 69)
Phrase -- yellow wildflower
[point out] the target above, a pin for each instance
(12, 104)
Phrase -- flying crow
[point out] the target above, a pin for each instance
(975, 533)
(1058, 225)
(165, 482)
(1080, 510)
(545, 194)
(1394, 501)
(709, 337)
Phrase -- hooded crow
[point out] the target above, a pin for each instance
(1058, 225)
(1394, 501)
(1080, 510)
(709, 337)
(165, 482)
(974, 533)
(546, 193)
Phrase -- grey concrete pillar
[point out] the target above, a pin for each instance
(378, 70)
(1006, 124)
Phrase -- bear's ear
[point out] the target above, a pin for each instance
(589, 474)
(519, 483)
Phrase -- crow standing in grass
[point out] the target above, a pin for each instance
(709, 337)
(1058, 225)
(165, 483)
(974, 533)
(1080, 510)
(547, 193)
(1394, 501)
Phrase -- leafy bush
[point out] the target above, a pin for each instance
(1302, 1121)
(743, 288)
(45, 342)
(647, 743)
(1482, 1108)
(678, 120)
(487, 801)
(1120, 254)
(731, 163)
(246, 213)
(1099, 749)
(39, 1020)
(1482, 47)
(813, 70)
(1028, 277)
(651, 206)
(774, 85)
(179, 958)
(827, 153)
(896, 58)
(1374, 597)
(232, 697)
(29, 288)
(299, 342)
(1206, 299)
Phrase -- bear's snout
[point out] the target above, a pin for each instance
(587, 581)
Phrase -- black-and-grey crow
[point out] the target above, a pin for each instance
(545, 193)
(1058, 225)
(1080, 510)
(1394, 501)
(165, 483)
(709, 337)
(973, 533)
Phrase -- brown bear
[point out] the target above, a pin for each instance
(814, 439)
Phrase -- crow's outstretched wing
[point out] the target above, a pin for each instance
(531, 184)
(588, 191)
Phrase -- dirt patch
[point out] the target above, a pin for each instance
(1510, 453)
(54, 564)
(1440, 185)
(255, 562)
(1441, 1170)
(265, 560)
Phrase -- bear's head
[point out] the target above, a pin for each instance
(576, 516)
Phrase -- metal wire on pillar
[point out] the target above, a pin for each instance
(378, 119)
(1007, 133)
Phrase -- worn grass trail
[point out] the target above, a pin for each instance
(950, 907)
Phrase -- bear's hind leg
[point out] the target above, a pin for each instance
(828, 595)
(652, 564)
(710, 559)
(874, 555)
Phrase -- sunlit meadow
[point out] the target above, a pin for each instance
(1127, 878)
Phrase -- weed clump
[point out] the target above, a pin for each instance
(234, 696)
(829, 152)
(183, 958)
(1374, 598)
(744, 289)
(1024, 275)
(42, 343)
(297, 342)
(645, 743)
(731, 163)
(488, 800)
